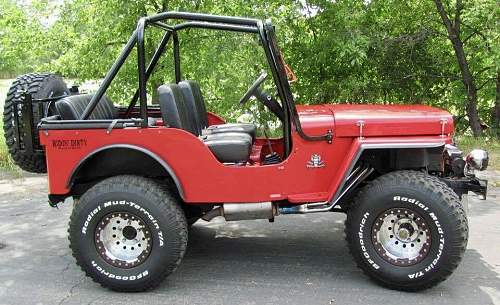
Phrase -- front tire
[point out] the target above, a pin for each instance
(128, 233)
(407, 230)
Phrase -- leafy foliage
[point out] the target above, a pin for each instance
(383, 51)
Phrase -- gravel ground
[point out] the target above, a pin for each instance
(297, 260)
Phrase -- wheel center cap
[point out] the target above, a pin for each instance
(129, 232)
(403, 234)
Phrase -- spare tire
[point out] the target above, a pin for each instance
(39, 85)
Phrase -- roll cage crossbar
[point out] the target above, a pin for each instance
(265, 31)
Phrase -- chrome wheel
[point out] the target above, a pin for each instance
(123, 240)
(401, 237)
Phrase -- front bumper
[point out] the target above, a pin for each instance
(462, 186)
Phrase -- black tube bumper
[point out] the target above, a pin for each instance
(468, 184)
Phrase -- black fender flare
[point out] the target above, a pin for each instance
(372, 146)
(143, 150)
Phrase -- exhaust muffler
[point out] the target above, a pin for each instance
(243, 211)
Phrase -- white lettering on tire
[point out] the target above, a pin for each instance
(362, 242)
(434, 262)
(89, 218)
(119, 277)
(412, 201)
(433, 216)
(134, 205)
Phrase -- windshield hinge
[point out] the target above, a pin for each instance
(111, 126)
(443, 123)
(360, 124)
(329, 136)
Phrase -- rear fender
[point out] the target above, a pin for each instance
(109, 160)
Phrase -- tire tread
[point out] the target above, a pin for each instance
(168, 205)
(32, 83)
(447, 197)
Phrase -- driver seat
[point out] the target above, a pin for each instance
(196, 106)
(230, 147)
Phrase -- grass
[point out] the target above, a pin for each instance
(4, 87)
(6, 162)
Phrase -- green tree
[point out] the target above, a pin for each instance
(441, 52)
(19, 36)
(457, 25)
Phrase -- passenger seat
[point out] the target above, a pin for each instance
(196, 106)
(228, 147)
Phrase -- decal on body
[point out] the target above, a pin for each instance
(69, 144)
(315, 162)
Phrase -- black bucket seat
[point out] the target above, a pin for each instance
(228, 147)
(72, 107)
(196, 106)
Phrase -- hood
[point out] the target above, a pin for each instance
(377, 120)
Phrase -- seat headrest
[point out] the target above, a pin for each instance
(201, 108)
(191, 105)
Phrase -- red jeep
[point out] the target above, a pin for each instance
(141, 175)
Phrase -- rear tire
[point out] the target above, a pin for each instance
(128, 233)
(407, 230)
(39, 86)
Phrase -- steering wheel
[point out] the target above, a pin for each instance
(253, 88)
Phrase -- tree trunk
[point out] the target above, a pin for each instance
(453, 30)
(496, 109)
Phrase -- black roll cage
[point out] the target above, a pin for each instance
(265, 31)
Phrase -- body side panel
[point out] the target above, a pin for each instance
(205, 180)
(202, 177)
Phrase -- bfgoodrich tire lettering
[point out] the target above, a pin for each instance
(439, 214)
(129, 196)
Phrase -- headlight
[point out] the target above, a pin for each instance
(477, 159)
